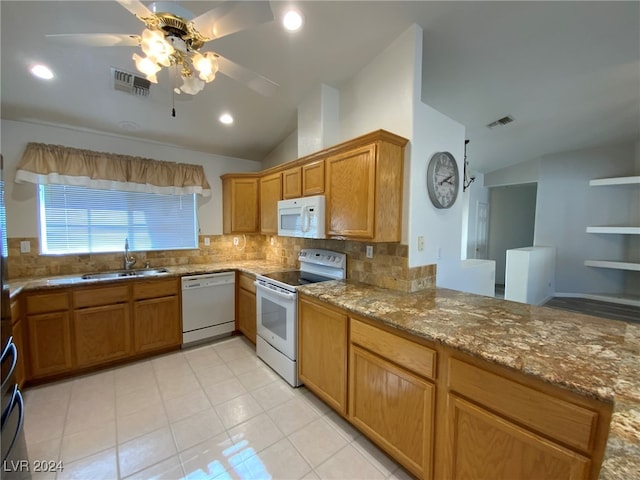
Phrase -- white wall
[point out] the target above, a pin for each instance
(286, 151)
(476, 193)
(524, 172)
(22, 212)
(319, 120)
(567, 205)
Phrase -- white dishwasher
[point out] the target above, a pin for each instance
(208, 306)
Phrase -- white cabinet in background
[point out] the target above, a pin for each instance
(529, 274)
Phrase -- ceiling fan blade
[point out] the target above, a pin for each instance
(96, 39)
(231, 17)
(136, 7)
(254, 81)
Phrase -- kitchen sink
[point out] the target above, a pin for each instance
(142, 272)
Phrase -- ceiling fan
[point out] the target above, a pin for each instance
(173, 38)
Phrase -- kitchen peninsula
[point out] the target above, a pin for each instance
(588, 358)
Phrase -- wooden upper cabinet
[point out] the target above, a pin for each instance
(313, 178)
(364, 189)
(292, 183)
(351, 193)
(270, 193)
(240, 203)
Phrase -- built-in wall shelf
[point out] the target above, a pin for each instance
(612, 229)
(631, 266)
(598, 182)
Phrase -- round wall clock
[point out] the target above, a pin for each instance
(443, 180)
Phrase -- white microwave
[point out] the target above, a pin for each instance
(302, 217)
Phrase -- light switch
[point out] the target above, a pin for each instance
(25, 246)
(369, 251)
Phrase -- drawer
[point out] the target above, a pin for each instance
(48, 302)
(410, 355)
(563, 421)
(155, 288)
(94, 297)
(246, 281)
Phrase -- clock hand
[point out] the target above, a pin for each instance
(441, 182)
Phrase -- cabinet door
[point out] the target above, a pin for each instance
(101, 334)
(240, 205)
(49, 343)
(156, 324)
(313, 178)
(322, 352)
(351, 178)
(486, 446)
(292, 183)
(247, 314)
(270, 193)
(18, 339)
(394, 408)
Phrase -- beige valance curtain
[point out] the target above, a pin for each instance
(45, 164)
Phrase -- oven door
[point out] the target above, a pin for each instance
(276, 312)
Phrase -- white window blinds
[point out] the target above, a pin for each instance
(84, 220)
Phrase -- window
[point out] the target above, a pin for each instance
(85, 220)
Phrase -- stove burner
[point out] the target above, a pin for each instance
(296, 277)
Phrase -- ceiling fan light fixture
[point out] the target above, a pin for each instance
(206, 65)
(191, 85)
(155, 46)
(147, 66)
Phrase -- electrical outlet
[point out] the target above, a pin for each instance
(25, 246)
(273, 240)
(420, 243)
(369, 251)
(235, 241)
(207, 241)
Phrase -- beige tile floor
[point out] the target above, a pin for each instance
(211, 412)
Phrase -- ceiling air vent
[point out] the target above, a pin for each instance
(129, 82)
(501, 122)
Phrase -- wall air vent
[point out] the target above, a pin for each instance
(129, 82)
(501, 122)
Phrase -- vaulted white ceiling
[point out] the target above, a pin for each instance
(568, 72)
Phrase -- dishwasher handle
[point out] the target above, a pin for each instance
(205, 281)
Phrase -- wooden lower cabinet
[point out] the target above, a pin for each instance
(443, 414)
(101, 334)
(80, 329)
(486, 446)
(246, 314)
(394, 408)
(322, 352)
(156, 324)
(49, 343)
(17, 331)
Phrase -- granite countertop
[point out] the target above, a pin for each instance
(595, 357)
(254, 267)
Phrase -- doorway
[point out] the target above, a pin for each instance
(511, 223)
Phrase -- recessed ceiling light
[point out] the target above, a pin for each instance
(226, 118)
(42, 71)
(292, 20)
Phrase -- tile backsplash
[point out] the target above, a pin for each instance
(388, 268)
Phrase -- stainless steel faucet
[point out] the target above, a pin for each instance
(129, 261)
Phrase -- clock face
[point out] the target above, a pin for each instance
(442, 180)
